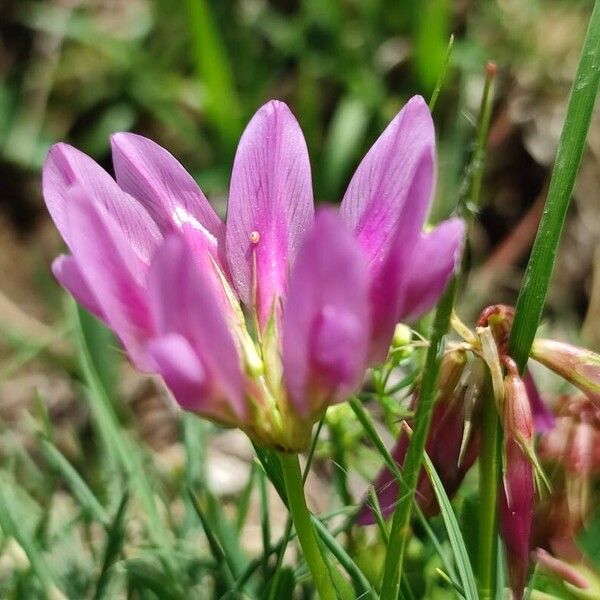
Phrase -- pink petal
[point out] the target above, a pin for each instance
(270, 207)
(68, 274)
(180, 367)
(390, 270)
(183, 302)
(383, 191)
(325, 323)
(65, 167)
(434, 258)
(157, 180)
(109, 267)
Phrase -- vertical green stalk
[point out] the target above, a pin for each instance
(400, 530)
(294, 487)
(532, 295)
(489, 478)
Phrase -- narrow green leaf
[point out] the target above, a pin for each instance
(275, 474)
(15, 524)
(113, 547)
(221, 558)
(122, 447)
(79, 488)
(459, 550)
(265, 525)
(532, 295)
(412, 464)
(372, 433)
(442, 74)
(243, 503)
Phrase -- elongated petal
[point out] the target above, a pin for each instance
(434, 258)
(391, 268)
(66, 167)
(184, 375)
(157, 180)
(394, 182)
(270, 206)
(68, 274)
(325, 326)
(564, 570)
(107, 263)
(183, 302)
(579, 366)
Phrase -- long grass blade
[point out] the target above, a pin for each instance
(113, 547)
(79, 488)
(459, 550)
(399, 532)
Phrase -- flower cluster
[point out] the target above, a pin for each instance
(264, 321)
(454, 436)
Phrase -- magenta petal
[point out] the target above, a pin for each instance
(66, 167)
(325, 323)
(543, 418)
(391, 268)
(383, 191)
(270, 206)
(183, 302)
(68, 274)
(108, 265)
(434, 258)
(181, 369)
(155, 178)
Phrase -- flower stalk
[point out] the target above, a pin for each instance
(489, 479)
(315, 560)
(400, 530)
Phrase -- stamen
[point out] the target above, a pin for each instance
(255, 237)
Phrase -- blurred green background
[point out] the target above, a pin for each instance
(189, 74)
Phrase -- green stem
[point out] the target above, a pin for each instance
(294, 487)
(489, 476)
(399, 532)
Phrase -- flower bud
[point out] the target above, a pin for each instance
(499, 318)
(444, 445)
(578, 366)
(572, 444)
(517, 493)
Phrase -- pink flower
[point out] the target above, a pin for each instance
(150, 257)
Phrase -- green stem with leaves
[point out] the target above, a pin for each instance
(294, 486)
(400, 530)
